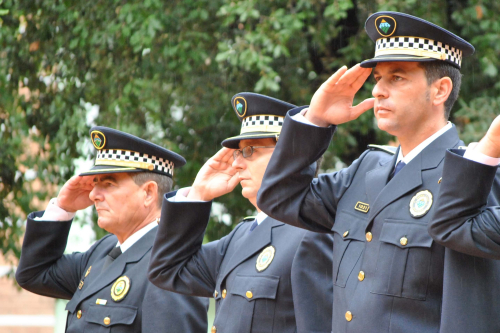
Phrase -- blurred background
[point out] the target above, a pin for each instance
(166, 71)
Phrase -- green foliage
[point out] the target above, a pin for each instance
(166, 71)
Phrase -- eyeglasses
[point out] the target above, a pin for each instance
(247, 151)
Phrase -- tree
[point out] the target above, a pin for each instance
(166, 71)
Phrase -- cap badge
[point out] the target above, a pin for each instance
(385, 25)
(98, 139)
(420, 203)
(120, 288)
(265, 258)
(240, 105)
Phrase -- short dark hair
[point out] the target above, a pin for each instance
(435, 70)
(164, 182)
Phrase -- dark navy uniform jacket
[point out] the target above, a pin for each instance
(387, 270)
(44, 270)
(247, 300)
(467, 222)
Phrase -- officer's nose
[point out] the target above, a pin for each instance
(239, 162)
(380, 90)
(96, 194)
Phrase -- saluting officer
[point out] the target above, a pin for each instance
(258, 273)
(387, 270)
(107, 285)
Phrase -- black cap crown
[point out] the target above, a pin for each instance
(402, 37)
(261, 117)
(122, 152)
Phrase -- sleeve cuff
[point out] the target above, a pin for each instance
(55, 213)
(181, 196)
(476, 156)
(302, 119)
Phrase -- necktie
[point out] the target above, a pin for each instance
(112, 255)
(398, 168)
(254, 225)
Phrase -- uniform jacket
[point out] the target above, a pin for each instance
(44, 270)
(387, 270)
(247, 300)
(467, 222)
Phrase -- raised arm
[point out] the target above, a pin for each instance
(179, 262)
(463, 221)
(43, 269)
(289, 192)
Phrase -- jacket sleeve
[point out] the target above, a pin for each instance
(462, 220)
(43, 268)
(312, 283)
(289, 191)
(179, 262)
(179, 313)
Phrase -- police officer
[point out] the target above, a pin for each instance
(387, 271)
(258, 274)
(467, 222)
(107, 285)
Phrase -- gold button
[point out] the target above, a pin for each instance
(369, 236)
(348, 316)
(345, 234)
(249, 294)
(224, 293)
(107, 321)
(214, 329)
(403, 241)
(79, 314)
(361, 275)
(440, 180)
(216, 293)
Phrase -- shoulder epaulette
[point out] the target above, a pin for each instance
(388, 149)
(249, 218)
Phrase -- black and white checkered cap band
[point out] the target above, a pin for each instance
(417, 46)
(134, 159)
(262, 123)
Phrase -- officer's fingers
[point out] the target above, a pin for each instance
(362, 107)
(495, 127)
(351, 75)
(329, 84)
(233, 181)
(364, 74)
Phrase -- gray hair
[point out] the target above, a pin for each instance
(164, 182)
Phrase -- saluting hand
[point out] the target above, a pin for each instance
(332, 102)
(74, 195)
(217, 177)
(490, 143)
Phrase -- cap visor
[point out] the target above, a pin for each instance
(101, 169)
(233, 142)
(370, 63)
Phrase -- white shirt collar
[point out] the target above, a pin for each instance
(260, 217)
(136, 236)
(418, 149)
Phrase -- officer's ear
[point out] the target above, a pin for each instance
(150, 189)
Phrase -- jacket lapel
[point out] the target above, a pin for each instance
(117, 267)
(410, 177)
(251, 244)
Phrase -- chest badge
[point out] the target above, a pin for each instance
(421, 203)
(265, 258)
(88, 271)
(120, 288)
(362, 207)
